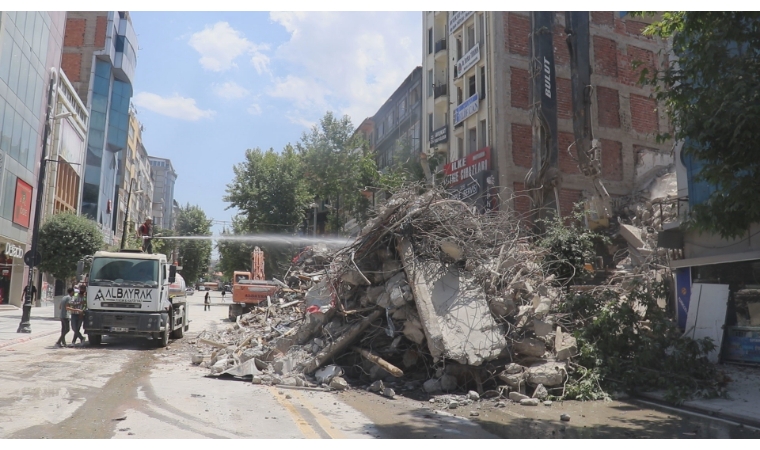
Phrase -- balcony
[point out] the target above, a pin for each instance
(440, 45)
(439, 91)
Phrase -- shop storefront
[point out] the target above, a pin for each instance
(11, 272)
(472, 181)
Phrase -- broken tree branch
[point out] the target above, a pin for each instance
(385, 365)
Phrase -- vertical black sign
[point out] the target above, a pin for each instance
(545, 84)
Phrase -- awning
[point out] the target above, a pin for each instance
(716, 259)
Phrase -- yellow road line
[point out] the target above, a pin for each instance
(321, 420)
(303, 426)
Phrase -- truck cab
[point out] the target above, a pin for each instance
(131, 293)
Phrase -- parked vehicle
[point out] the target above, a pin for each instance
(250, 288)
(189, 291)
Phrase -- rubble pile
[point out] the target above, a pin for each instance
(430, 296)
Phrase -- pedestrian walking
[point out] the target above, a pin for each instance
(207, 302)
(76, 308)
(64, 318)
(224, 291)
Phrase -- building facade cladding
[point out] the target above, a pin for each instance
(624, 118)
(397, 124)
(30, 48)
(164, 177)
(100, 59)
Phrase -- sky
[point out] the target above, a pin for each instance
(209, 85)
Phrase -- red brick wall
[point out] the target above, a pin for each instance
(605, 18)
(71, 63)
(520, 85)
(522, 145)
(612, 160)
(608, 105)
(605, 56)
(643, 114)
(628, 74)
(567, 200)
(564, 98)
(561, 52)
(100, 31)
(522, 199)
(74, 35)
(634, 28)
(518, 38)
(567, 162)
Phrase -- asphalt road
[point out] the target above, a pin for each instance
(128, 388)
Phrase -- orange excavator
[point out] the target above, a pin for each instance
(249, 289)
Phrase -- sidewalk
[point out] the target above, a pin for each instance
(41, 320)
(742, 404)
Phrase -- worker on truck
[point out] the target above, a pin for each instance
(145, 233)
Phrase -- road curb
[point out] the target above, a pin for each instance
(27, 339)
(738, 418)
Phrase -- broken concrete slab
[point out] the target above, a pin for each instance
(529, 402)
(530, 347)
(513, 368)
(454, 312)
(567, 348)
(550, 374)
(339, 384)
(541, 328)
(377, 386)
(632, 235)
(515, 380)
(516, 396)
(541, 393)
(432, 386)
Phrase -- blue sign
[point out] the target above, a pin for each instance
(466, 109)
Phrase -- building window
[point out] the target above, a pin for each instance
(471, 86)
(430, 41)
(459, 48)
(430, 83)
(472, 136)
(459, 95)
(460, 148)
(482, 26)
(430, 125)
(415, 135)
(414, 96)
(483, 134)
(402, 108)
(482, 83)
(470, 37)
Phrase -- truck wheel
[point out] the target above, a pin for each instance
(94, 339)
(164, 339)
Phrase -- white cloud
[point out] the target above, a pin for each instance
(174, 106)
(220, 45)
(353, 76)
(254, 109)
(229, 90)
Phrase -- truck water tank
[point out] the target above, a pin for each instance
(177, 289)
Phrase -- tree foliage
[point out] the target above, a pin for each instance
(269, 190)
(64, 239)
(196, 254)
(338, 167)
(712, 95)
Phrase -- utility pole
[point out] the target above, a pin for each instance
(31, 258)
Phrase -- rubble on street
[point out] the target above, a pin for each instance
(430, 297)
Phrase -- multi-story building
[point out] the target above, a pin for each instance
(142, 201)
(99, 58)
(30, 45)
(63, 187)
(164, 177)
(479, 105)
(130, 186)
(397, 122)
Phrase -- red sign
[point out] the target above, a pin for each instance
(464, 169)
(22, 207)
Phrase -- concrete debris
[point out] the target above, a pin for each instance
(453, 404)
(474, 413)
(529, 402)
(548, 403)
(564, 417)
(430, 295)
(517, 397)
(541, 393)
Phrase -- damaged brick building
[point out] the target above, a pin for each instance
(476, 69)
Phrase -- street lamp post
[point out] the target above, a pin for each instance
(126, 214)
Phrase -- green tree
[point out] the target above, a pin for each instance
(195, 253)
(164, 246)
(269, 190)
(338, 167)
(712, 96)
(64, 239)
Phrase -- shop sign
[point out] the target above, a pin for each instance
(440, 135)
(468, 60)
(477, 191)
(461, 170)
(466, 109)
(457, 18)
(22, 206)
(14, 251)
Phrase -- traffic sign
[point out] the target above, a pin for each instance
(28, 259)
